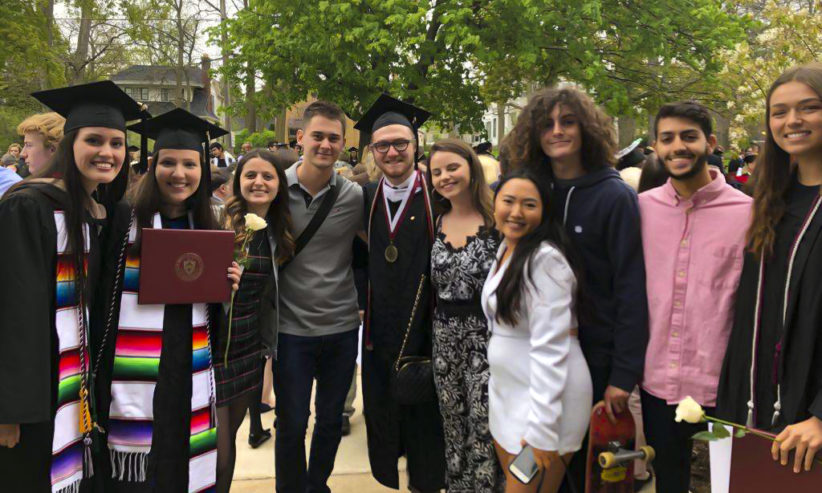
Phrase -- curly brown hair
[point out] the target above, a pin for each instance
(598, 134)
(278, 217)
(772, 175)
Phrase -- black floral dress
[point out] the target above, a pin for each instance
(461, 362)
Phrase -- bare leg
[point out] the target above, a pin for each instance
(268, 384)
(229, 417)
(544, 482)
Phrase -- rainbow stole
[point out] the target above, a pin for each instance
(67, 449)
(139, 345)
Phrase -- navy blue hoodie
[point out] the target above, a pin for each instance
(601, 216)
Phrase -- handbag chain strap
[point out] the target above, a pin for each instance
(410, 322)
(121, 266)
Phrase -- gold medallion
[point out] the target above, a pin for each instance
(391, 254)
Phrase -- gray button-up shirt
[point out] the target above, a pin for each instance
(317, 293)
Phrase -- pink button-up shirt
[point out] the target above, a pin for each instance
(693, 259)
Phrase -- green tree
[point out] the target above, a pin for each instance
(454, 57)
(27, 62)
(788, 33)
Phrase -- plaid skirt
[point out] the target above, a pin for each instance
(244, 371)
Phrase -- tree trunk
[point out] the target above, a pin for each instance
(250, 106)
(182, 101)
(500, 123)
(81, 54)
(226, 92)
(627, 130)
(48, 12)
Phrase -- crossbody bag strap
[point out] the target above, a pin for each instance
(410, 323)
(314, 224)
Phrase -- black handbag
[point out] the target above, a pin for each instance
(413, 381)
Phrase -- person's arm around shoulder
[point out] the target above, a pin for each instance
(624, 246)
(548, 303)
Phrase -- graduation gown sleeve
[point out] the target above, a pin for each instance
(27, 346)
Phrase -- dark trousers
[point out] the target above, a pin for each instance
(576, 469)
(330, 360)
(671, 441)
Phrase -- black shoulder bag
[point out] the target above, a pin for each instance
(314, 224)
(413, 375)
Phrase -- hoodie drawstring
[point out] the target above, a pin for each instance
(567, 203)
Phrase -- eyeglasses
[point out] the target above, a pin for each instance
(382, 147)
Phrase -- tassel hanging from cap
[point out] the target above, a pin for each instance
(142, 166)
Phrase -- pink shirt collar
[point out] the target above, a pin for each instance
(702, 196)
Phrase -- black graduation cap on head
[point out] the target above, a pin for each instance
(179, 129)
(387, 110)
(97, 104)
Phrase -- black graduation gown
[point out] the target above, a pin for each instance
(800, 360)
(168, 461)
(28, 334)
(394, 430)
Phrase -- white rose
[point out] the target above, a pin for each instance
(254, 222)
(689, 410)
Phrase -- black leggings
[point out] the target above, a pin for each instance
(254, 419)
(229, 417)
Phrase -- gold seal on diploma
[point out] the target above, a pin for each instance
(188, 267)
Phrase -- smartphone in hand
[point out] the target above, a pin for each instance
(524, 467)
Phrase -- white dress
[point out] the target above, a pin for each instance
(540, 387)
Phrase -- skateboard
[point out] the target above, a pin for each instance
(609, 465)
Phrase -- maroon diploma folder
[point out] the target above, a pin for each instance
(180, 266)
(753, 470)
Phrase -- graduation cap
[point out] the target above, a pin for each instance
(390, 111)
(178, 129)
(98, 104)
(630, 156)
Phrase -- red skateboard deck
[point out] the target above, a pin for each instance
(610, 438)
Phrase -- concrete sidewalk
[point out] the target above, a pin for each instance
(254, 470)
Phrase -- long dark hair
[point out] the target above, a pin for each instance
(510, 290)
(279, 216)
(772, 176)
(523, 146)
(653, 174)
(480, 192)
(147, 199)
(63, 167)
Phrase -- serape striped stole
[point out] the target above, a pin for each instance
(139, 346)
(67, 444)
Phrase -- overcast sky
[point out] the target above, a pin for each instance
(66, 17)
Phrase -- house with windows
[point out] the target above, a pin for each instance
(156, 86)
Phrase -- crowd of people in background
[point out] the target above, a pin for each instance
(496, 298)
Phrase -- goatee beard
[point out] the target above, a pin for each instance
(697, 168)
